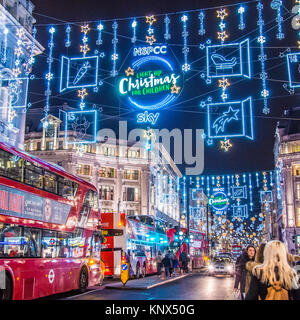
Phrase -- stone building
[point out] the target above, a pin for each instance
(130, 179)
(287, 161)
(17, 50)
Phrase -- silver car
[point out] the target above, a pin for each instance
(221, 265)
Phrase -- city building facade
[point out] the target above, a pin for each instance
(130, 179)
(18, 48)
(287, 161)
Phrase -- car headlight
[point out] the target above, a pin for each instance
(229, 268)
(211, 268)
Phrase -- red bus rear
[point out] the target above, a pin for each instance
(140, 236)
(49, 228)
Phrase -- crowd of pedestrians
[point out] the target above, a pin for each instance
(267, 273)
(171, 264)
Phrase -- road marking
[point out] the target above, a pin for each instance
(167, 281)
(85, 293)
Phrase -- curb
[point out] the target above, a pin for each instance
(148, 287)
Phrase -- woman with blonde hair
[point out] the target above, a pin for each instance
(274, 279)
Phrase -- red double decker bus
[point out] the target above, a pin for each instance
(139, 236)
(49, 228)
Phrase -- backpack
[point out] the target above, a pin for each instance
(277, 292)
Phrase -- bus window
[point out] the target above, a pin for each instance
(67, 188)
(33, 238)
(63, 244)
(33, 175)
(11, 166)
(49, 244)
(50, 182)
(91, 199)
(12, 244)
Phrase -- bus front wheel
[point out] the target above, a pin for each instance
(83, 280)
(6, 294)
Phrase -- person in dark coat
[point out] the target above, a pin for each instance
(167, 263)
(274, 279)
(184, 259)
(241, 271)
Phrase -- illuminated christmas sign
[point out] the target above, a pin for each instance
(234, 119)
(219, 200)
(151, 82)
(82, 125)
(79, 72)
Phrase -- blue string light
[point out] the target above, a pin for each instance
(167, 22)
(276, 5)
(68, 39)
(241, 11)
(133, 26)
(186, 66)
(49, 75)
(262, 57)
(115, 55)
(201, 17)
(99, 40)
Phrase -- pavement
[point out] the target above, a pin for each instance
(144, 283)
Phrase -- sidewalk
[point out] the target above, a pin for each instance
(144, 283)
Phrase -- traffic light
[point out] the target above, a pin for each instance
(293, 238)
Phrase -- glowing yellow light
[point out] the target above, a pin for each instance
(175, 89)
(129, 72)
(150, 20)
(150, 39)
(85, 29)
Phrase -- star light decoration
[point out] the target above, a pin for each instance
(150, 20)
(85, 29)
(222, 36)
(175, 89)
(129, 72)
(84, 49)
(225, 144)
(150, 39)
(222, 13)
(224, 83)
(82, 93)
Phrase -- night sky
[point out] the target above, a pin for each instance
(185, 112)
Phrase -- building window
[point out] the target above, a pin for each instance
(296, 170)
(133, 153)
(60, 145)
(131, 174)
(49, 145)
(131, 194)
(84, 169)
(107, 172)
(106, 193)
(298, 218)
(108, 151)
(132, 212)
